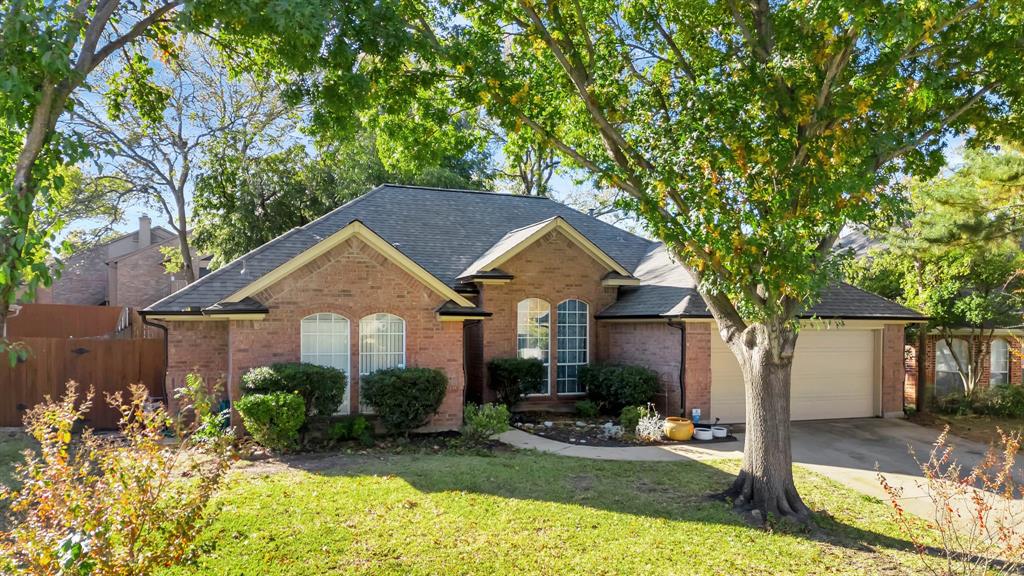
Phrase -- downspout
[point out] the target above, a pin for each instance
(162, 328)
(682, 368)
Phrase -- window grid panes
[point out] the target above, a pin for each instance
(999, 362)
(533, 331)
(572, 330)
(381, 343)
(947, 377)
(324, 341)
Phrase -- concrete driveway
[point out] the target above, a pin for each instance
(849, 451)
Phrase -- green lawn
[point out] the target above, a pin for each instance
(528, 513)
(12, 444)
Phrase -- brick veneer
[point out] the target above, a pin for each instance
(355, 281)
(141, 277)
(931, 341)
(654, 345)
(195, 346)
(910, 375)
(893, 369)
(698, 366)
(554, 269)
(83, 279)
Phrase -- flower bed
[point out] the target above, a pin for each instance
(587, 431)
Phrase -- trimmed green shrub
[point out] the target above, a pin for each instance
(614, 386)
(404, 398)
(484, 421)
(351, 428)
(273, 419)
(629, 418)
(513, 378)
(1005, 400)
(322, 388)
(586, 409)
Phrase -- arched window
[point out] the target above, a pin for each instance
(533, 332)
(573, 333)
(381, 343)
(324, 341)
(947, 375)
(999, 362)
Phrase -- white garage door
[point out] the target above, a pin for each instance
(833, 376)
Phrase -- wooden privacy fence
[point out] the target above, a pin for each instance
(63, 320)
(108, 365)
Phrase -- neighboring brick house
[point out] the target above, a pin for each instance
(125, 271)
(450, 279)
(1001, 362)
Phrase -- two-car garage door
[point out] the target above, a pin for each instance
(834, 376)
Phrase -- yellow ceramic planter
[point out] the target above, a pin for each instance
(678, 429)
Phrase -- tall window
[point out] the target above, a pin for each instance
(947, 376)
(999, 362)
(533, 330)
(573, 332)
(325, 342)
(381, 343)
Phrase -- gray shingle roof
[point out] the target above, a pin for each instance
(445, 231)
(838, 301)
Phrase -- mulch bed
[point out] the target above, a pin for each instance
(590, 431)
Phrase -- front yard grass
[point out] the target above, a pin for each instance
(528, 513)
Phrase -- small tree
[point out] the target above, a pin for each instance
(979, 528)
(48, 50)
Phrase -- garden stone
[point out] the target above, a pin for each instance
(581, 424)
(549, 424)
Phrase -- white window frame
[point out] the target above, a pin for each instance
(1004, 370)
(322, 325)
(559, 338)
(363, 354)
(523, 310)
(364, 334)
(946, 367)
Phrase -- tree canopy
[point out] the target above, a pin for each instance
(958, 258)
(744, 134)
(243, 201)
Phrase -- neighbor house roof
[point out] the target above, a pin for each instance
(455, 235)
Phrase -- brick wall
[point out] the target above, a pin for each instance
(83, 279)
(195, 346)
(1015, 361)
(653, 345)
(553, 269)
(910, 375)
(893, 369)
(698, 366)
(141, 278)
(353, 280)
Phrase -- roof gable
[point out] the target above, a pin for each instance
(354, 229)
(518, 240)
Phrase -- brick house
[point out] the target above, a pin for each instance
(125, 271)
(450, 279)
(1001, 348)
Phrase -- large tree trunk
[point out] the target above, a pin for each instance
(765, 482)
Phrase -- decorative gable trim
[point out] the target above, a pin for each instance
(518, 240)
(354, 229)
